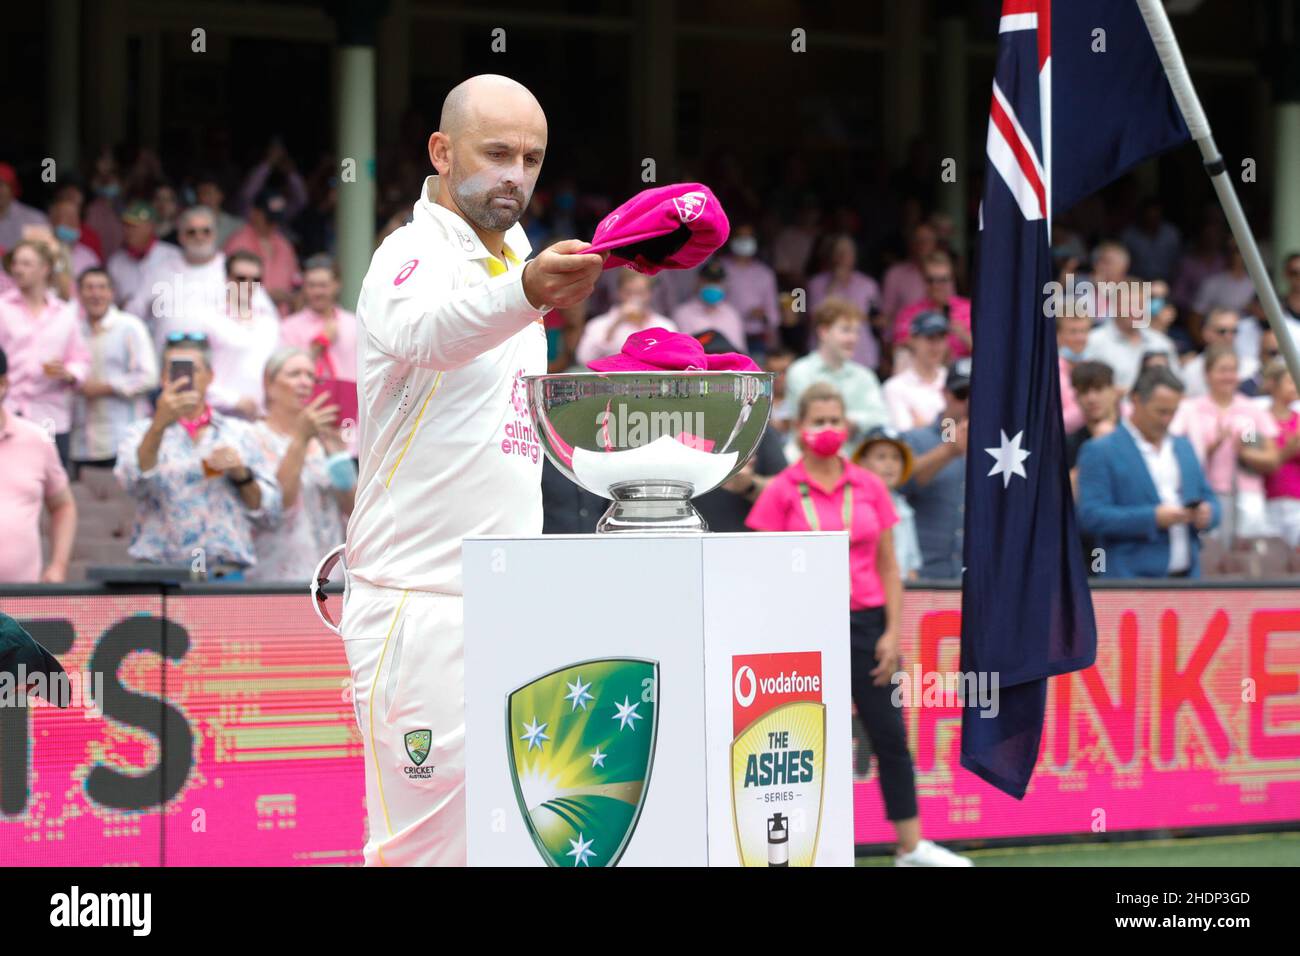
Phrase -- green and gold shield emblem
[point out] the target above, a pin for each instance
(581, 744)
(417, 745)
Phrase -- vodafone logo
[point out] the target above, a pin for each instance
(745, 678)
(762, 682)
(405, 272)
(690, 206)
(609, 222)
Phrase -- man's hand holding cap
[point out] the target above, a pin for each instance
(562, 275)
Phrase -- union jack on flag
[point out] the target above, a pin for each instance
(1065, 119)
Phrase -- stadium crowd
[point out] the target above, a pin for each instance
(170, 349)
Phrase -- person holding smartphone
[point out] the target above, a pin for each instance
(313, 468)
(200, 478)
(824, 492)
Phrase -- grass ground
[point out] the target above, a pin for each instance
(1255, 849)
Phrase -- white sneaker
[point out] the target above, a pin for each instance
(931, 854)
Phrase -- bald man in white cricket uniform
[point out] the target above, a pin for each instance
(450, 316)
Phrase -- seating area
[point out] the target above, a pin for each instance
(104, 516)
(1268, 559)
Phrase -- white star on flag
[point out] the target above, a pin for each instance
(581, 851)
(627, 714)
(578, 695)
(534, 734)
(1008, 457)
(597, 758)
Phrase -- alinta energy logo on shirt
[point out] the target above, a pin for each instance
(520, 438)
(778, 757)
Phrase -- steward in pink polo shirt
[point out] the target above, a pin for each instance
(31, 477)
(825, 492)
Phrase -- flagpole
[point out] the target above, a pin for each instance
(1180, 81)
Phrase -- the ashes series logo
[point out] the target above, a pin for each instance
(777, 757)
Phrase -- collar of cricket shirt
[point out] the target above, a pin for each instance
(460, 236)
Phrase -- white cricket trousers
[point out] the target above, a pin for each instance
(407, 655)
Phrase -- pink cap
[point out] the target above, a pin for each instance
(658, 350)
(668, 227)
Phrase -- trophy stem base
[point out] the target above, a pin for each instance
(662, 507)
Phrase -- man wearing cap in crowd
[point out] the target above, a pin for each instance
(136, 266)
(709, 308)
(32, 478)
(940, 296)
(915, 395)
(450, 321)
(936, 489)
(14, 214)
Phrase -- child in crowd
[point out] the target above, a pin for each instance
(888, 457)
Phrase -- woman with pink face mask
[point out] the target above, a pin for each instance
(825, 492)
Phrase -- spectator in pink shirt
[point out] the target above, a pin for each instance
(103, 211)
(842, 280)
(709, 308)
(65, 220)
(42, 336)
(941, 296)
(262, 236)
(321, 329)
(604, 335)
(751, 290)
(1235, 440)
(904, 281)
(1282, 485)
(31, 477)
(915, 395)
(1072, 328)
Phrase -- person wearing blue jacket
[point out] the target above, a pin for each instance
(1143, 496)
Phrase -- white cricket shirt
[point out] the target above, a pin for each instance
(447, 448)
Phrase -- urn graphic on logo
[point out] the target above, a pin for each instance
(581, 741)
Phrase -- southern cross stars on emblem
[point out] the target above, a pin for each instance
(1009, 458)
(580, 760)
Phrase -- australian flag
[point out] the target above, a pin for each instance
(1079, 97)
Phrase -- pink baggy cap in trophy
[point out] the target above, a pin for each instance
(668, 227)
(658, 350)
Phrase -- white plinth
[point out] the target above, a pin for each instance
(748, 635)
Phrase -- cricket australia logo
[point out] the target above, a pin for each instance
(690, 206)
(418, 743)
(581, 742)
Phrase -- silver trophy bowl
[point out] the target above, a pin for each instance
(650, 441)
